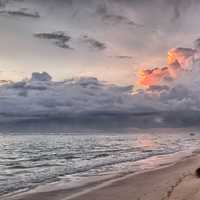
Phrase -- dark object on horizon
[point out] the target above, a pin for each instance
(192, 134)
(198, 172)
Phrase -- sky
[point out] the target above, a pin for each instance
(136, 61)
(107, 39)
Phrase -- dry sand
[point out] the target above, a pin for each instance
(175, 182)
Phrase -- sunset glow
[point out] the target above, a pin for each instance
(178, 61)
(152, 77)
(99, 99)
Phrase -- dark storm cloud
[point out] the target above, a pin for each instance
(88, 98)
(59, 38)
(93, 43)
(41, 97)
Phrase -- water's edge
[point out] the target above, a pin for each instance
(98, 183)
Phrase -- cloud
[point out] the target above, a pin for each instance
(159, 88)
(112, 18)
(197, 43)
(124, 57)
(119, 19)
(23, 12)
(179, 60)
(58, 38)
(41, 98)
(93, 43)
(173, 87)
(180, 7)
(2, 3)
(149, 77)
(61, 39)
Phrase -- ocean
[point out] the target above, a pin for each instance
(28, 161)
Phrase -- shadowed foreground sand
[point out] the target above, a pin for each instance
(175, 182)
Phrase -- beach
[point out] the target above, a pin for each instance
(177, 181)
(100, 100)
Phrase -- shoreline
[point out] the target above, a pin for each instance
(176, 181)
(155, 184)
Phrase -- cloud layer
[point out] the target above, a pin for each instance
(106, 37)
(41, 98)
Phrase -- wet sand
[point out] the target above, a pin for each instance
(175, 182)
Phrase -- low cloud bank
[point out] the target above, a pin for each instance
(88, 100)
(169, 100)
(41, 97)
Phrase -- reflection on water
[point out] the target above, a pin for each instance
(147, 141)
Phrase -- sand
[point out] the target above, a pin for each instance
(175, 182)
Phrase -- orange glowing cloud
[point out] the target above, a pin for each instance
(180, 56)
(178, 60)
(152, 76)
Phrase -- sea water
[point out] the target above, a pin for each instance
(28, 161)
